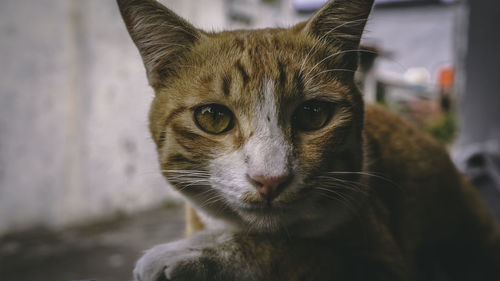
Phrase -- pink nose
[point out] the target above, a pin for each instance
(269, 187)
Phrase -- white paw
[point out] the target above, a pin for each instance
(176, 261)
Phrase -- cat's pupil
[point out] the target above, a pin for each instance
(213, 118)
(312, 115)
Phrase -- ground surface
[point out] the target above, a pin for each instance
(102, 251)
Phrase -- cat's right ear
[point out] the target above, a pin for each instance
(161, 36)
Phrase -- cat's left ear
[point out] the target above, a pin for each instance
(162, 37)
(340, 21)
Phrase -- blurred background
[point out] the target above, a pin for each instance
(80, 191)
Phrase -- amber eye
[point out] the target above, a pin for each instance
(312, 115)
(214, 118)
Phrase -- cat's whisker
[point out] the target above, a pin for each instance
(186, 172)
(184, 185)
(212, 200)
(346, 181)
(336, 198)
(344, 196)
(181, 171)
(187, 176)
(378, 176)
(209, 190)
(346, 186)
(185, 179)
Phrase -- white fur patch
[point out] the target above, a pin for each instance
(266, 153)
(267, 150)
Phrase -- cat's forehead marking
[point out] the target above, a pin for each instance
(226, 84)
(242, 71)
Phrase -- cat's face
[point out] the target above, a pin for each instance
(257, 127)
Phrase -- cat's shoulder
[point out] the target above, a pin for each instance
(398, 144)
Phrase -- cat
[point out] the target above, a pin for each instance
(290, 175)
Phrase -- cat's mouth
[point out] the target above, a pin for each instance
(253, 200)
(254, 203)
(260, 206)
(263, 213)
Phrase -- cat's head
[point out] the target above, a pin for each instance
(261, 128)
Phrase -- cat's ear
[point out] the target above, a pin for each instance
(340, 22)
(161, 36)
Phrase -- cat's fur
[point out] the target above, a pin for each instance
(366, 196)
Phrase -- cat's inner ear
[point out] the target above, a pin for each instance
(162, 37)
(339, 22)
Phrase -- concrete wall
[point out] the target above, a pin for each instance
(74, 99)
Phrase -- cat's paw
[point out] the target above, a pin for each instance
(177, 261)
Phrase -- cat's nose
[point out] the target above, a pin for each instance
(270, 187)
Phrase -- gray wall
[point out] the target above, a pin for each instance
(74, 99)
(480, 104)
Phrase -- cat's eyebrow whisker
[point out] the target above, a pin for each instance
(310, 79)
(329, 56)
(323, 37)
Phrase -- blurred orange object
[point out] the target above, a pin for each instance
(446, 78)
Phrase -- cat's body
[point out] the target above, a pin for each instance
(266, 134)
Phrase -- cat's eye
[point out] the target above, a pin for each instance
(214, 118)
(312, 115)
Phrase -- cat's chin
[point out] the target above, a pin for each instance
(260, 210)
(292, 219)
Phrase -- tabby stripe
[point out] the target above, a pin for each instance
(188, 137)
(174, 114)
(162, 137)
(206, 79)
(179, 158)
(226, 85)
(243, 72)
(281, 73)
(240, 44)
